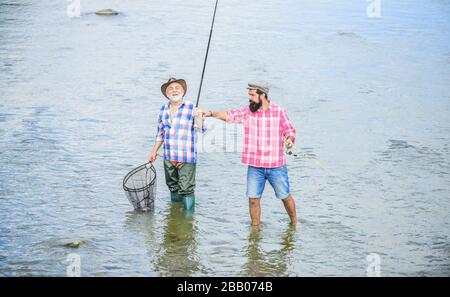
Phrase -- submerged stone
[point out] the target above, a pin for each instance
(106, 12)
(74, 244)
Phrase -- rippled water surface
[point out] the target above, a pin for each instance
(370, 98)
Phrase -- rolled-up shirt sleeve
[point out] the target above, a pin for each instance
(237, 115)
(159, 133)
(288, 129)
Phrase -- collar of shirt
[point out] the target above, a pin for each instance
(268, 107)
(181, 105)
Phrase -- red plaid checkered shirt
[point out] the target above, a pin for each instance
(264, 134)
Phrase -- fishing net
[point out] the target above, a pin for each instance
(140, 187)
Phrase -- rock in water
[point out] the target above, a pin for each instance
(106, 12)
(74, 244)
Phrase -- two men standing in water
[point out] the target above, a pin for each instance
(267, 129)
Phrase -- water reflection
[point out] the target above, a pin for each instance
(69, 130)
(141, 222)
(178, 253)
(274, 262)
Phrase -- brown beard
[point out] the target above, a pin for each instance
(254, 106)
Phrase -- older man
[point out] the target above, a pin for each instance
(178, 134)
(266, 128)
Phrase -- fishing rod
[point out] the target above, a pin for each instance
(299, 151)
(206, 56)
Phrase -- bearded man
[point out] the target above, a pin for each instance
(266, 128)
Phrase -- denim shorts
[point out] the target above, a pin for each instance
(278, 179)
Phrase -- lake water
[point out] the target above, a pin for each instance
(370, 98)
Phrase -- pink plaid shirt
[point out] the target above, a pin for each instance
(264, 134)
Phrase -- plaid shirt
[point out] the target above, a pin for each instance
(264, 133)
(179, 137)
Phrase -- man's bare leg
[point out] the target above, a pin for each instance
(255, 210)
(289, 205)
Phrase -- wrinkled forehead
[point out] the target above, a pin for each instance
(174, 85)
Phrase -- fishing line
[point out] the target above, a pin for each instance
(299, 151)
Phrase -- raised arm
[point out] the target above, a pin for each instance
(231, 116)
(220, 115)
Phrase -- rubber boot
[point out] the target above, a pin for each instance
(175, 197)
(189, 201)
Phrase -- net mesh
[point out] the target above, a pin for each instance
(140, 187)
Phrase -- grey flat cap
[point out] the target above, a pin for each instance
(263, 87)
